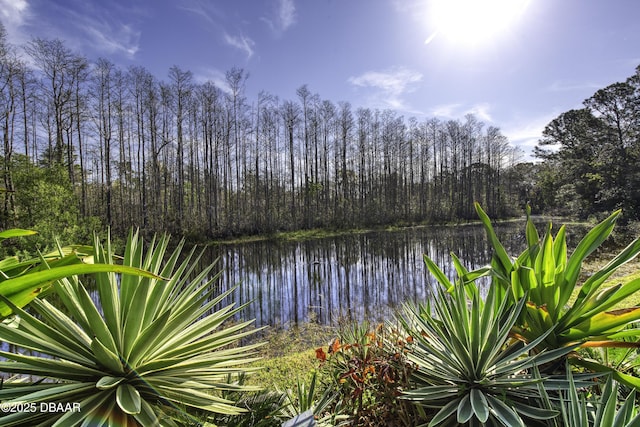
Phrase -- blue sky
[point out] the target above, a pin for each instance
(516, 69)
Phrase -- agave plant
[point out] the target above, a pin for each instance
(146, 352)
(468, 368)
(547, 278)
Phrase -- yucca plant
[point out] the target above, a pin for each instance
(605, 410)
(264, 407)
(307, 399)
(469, 369)
(547, 278)
(146, 352)
(23, 280)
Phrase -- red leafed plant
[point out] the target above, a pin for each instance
(369, 369)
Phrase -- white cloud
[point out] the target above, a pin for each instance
(447, 111)
(389, 86)
(481, 111)
(13, 15)
(13, 11)
(204, 9)
(282, 17)
(241, 42)
(565, 86)
(458, 111)
(81, 25)
(112, 37)
(213, 75)
(286, 14)
(526, 134)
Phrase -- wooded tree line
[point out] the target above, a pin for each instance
(591, 156)
(90, 141)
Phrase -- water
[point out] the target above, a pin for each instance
(353, 277)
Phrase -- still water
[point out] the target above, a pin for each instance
(354, 277)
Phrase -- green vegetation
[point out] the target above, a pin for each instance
(543, 346)
(154, 349)
(23, 280)
(468, 368)
(544, 277)
(501, 358)
(592, 165)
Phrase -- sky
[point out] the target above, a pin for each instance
(515, 64)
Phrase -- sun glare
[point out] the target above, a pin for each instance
(473, 22)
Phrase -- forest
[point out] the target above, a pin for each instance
(88, 145)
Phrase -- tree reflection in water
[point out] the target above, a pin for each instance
(353, 277)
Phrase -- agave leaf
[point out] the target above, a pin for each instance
(142, 343)
(445, 412)
(6, 264)
(531, 233)
(58, 394)
(603, 323)
(593, 282)
(600, 300)
(480, 405)
(535, 412)
(93, 407)
(589, 243)
(39, 366)
(133, 319)
(128, 399)
(506, 414)
(108, 382)
(465, 410)
(500, 252)
(40, 279)
(438, 274)
(545, 268)
(96, 322)
(59, 327)
(432, 392)
(628, 380)
(523, 280)
(24, 336)
(560, 249)
(147, 416)
(107, 358)
(607, 412)
(16, 232)
(628, 413)
(183, 349)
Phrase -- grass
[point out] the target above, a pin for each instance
(289, 355)
(624, 274)
(321, 233)
(316, 233)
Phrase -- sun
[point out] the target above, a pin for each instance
(473, 22)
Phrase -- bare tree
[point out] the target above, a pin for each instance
(182, 86)
(57, 65)
(102, 94)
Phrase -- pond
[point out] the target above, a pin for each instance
(349, 277)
